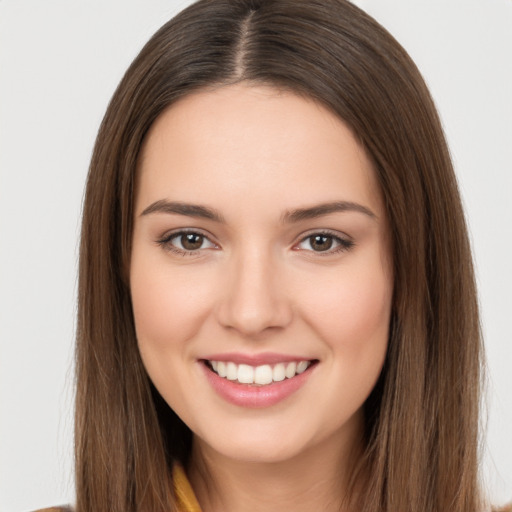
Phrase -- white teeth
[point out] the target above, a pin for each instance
(302, 366)
(231, 371)
(221, 369)
(278, 373)
(259, 375)
(290, 370)
(245, 374)
(263, 374)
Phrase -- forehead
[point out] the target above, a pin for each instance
(254, 142)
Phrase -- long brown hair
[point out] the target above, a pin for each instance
(422, 417)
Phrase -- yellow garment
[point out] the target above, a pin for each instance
(187, 501)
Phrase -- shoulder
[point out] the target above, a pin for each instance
(55, 509)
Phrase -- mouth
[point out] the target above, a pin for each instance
(256, 381)
(258, 376)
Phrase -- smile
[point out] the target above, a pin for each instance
(256, 381)
(258, 375)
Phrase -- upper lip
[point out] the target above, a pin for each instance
(256, 359)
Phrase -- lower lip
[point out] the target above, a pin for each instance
(247, 395)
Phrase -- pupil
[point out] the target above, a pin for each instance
(191, 241)
(321, 243)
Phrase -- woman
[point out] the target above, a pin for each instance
(276, 288)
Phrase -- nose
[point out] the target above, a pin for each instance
(255, 297)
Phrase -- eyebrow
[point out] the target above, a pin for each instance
(297, 215)
(190, 210)
(326, 209)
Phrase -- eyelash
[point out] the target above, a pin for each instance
(165, 242)
(343, 243)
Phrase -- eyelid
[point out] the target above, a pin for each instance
(344, 242)
(165, 241)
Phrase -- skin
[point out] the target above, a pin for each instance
(257, 284)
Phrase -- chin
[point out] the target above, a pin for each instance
(258, 454)
(255, 445)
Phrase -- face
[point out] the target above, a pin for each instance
(260, 272)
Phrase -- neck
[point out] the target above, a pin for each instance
(316, 479)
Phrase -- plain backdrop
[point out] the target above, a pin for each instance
(60, 61)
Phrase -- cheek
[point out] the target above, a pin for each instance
(167, 306)
(352, 319)
(168, 309)
(351, 312)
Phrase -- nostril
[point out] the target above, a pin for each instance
(251, 318)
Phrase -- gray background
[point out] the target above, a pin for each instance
(60, 61)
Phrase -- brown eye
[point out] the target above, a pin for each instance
(321, 242)
(325, 243)
(185, 242)
(191, 241)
